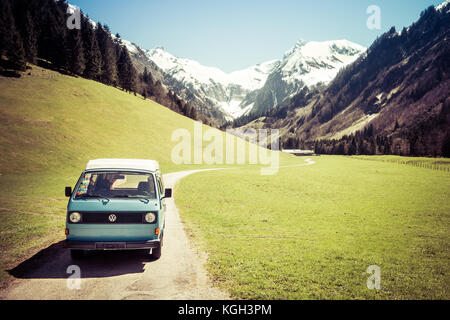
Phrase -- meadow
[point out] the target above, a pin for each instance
(311, 232)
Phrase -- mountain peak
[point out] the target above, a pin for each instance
(300, 43)
(443, 5)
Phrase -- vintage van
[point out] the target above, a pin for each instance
(117, 205)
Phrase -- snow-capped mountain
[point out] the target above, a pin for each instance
(306, 64)
(225, 91)
(260, 87)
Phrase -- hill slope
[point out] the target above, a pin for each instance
(51, 122)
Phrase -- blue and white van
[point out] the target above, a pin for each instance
(117, 205)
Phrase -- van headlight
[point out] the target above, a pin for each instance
(75, 217)
(150, 217)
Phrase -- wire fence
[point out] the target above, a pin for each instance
(440, 165)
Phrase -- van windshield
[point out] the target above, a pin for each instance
(116, 185)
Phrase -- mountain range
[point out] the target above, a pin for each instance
(224, 97)
(394, 99)
(258, 88)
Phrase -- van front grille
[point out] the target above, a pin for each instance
(108, 218)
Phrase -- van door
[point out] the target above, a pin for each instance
(161, 195)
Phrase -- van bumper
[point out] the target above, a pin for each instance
(81, 245)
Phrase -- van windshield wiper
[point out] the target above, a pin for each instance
(131, 196)
(91, 196)
(127, 196)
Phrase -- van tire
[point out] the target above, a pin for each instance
(77, 254)
(156, 252)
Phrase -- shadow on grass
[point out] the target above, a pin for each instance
(52, 263)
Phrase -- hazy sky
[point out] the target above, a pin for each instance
(235, 34)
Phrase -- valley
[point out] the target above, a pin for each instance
(247, 221)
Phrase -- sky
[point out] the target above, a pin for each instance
(235, 34)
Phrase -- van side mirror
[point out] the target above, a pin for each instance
(68, 192)
(168, 193)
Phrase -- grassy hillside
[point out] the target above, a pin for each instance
(51, 126)
(311, 232)
(57, 123)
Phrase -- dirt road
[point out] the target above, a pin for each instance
(179, 274)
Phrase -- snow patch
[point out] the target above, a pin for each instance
(443, 5)
(130, 46)
(356, 126)
(314, 62)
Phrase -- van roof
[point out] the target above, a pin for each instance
(130, 164)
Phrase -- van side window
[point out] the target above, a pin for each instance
(160, 186)
(163, 189)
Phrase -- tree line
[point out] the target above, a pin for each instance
(367, 142)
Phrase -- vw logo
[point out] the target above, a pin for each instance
(112, 218)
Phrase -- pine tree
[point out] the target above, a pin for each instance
(109, 68)
(57, 34)
(193, 113)
(92, 53)
(145, 76)
(6, 24)
(77, 62)
(16, 53)
(126, 70)
(11, 44)
(30, 39)
(446, 146)
(25, 25)
(123, 69)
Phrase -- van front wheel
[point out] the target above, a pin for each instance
(156, 253)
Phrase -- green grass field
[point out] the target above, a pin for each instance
(308, 232)
(311, 232)
(51, 126)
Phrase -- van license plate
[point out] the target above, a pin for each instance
(110, 245)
